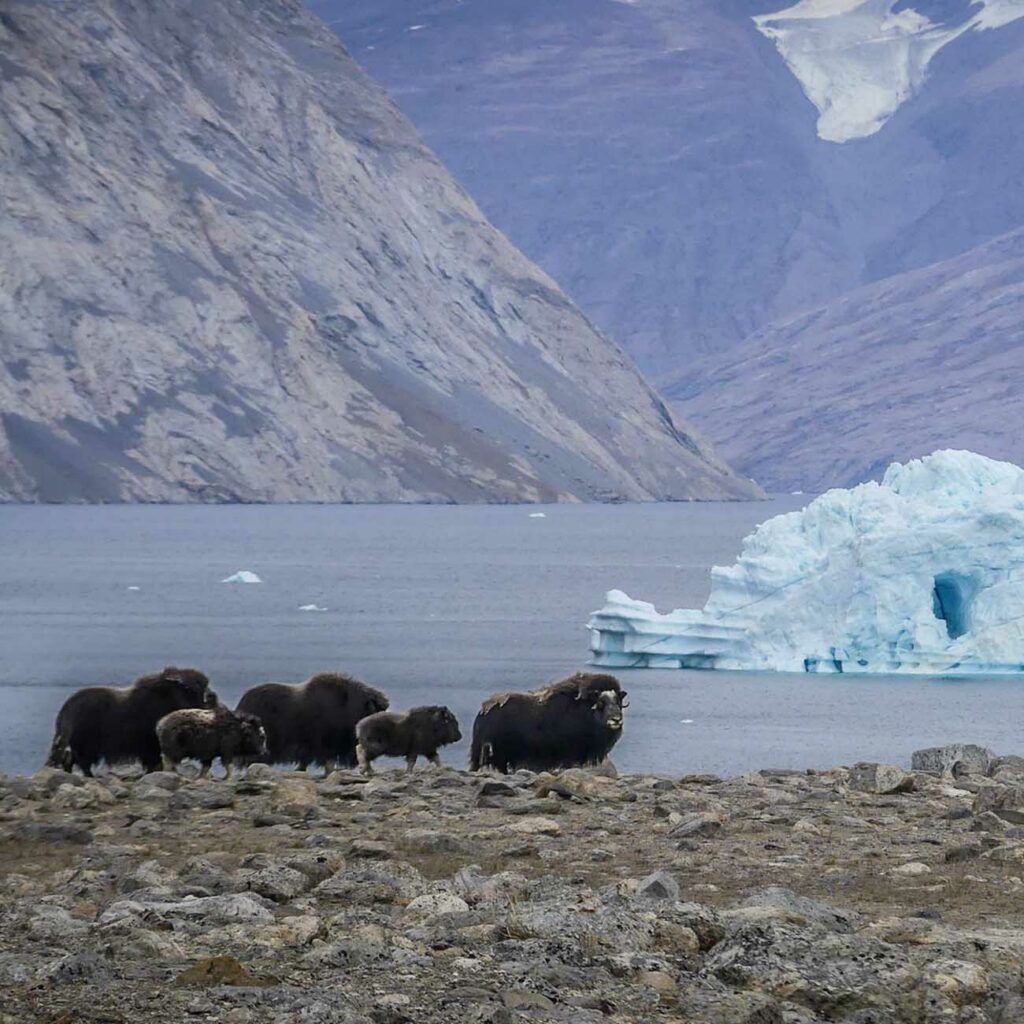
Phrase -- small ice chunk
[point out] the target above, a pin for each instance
(538, 515)
(686, 721)
(311, 608)
(242, 576)
(135, 588)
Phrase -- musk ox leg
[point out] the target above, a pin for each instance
(228, 766)
(303, 766)
(410, 764)
(435, 759)
(168, 764)
(364, 759)
(328, 768)
(207, 765)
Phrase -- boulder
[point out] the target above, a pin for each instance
(658, 886)
(869, 777)
(969, 757)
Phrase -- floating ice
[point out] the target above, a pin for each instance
(135, 588)
(538, 515)
(311, 608)
(242, 576)
(921, 573)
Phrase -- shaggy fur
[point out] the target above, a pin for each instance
(313, 722)
(234, 737)
(419, 732)
(104, 723)
(573, 722)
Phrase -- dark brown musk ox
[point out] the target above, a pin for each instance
(313, 722)
(419, 732)
(573, 722)
(115, 725)
(202, 735)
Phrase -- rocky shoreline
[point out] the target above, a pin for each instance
(865, 894)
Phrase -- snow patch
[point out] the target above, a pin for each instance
(921, 573)
(242, 576)
(858, 61)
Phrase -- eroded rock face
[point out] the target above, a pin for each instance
(889, 904)
(234, 272)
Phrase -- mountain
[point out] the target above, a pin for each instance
(655, 157)
(717, 180)
(230, 270)
(928, 359)
(693, 170)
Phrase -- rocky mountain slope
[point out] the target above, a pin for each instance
(929, 359)
(230, 270)
(670, 164)
(695, 172)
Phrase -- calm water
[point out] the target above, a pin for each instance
(433, 604)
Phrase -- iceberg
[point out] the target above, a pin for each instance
(921, 573)
(242, 576)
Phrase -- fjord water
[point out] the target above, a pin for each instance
(435, 604)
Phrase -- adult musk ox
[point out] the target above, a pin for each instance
(419, 732)
(104, 723)
(572, 722)
(313, 722)
(233, 736)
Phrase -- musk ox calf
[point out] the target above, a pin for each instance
(233, 736)
(104, 723)
(313, 722)
(573, 722)
(409, 734)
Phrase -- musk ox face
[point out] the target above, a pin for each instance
(607, 710)
(195, 684)
(446, 726)
(253, 737)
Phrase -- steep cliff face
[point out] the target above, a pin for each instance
(230, 270)
(930, 359)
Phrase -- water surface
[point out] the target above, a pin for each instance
(435, 604)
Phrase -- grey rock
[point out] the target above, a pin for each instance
(429, 840)
(882, 779)
(698, 825)
(226, 909)
(658, 886)
(76, 968)
(968, 756)
(814, 911)
(276, 882)
(46, 832)
(268, 288)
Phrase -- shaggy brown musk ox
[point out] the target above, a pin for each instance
(419, 732)
(233, 736)
(313, 722)
(105, 723)
(573, 722)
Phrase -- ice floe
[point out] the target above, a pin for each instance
(311, 608)
(242, 576)
(921, 573)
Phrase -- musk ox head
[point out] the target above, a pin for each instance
(194, 683)
(252, 737)
(607, 709)
(445, 725)
(375, 701)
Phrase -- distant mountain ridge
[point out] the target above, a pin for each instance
(231, 271)
(929, 359)
(664, 159)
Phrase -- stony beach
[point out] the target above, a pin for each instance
(865, 894)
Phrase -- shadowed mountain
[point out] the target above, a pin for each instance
(232, 271)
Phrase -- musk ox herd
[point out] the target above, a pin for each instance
(330, 720)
